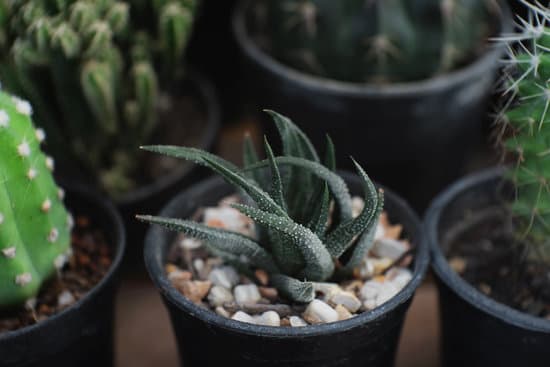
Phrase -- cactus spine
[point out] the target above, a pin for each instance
(527, 119)
(376, 40)
(34, 224)
(292, 206)
(95, 72)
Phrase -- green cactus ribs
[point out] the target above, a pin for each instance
(526, 118)
(94, 72)
(290, 198)
(374, 41)
(34, 224)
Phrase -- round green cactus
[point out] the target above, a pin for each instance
(34, 224)
(526, 119)
(376, 40)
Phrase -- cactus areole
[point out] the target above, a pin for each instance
(34, 224)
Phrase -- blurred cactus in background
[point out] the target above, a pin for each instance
(34, 224)
(95, 72)
(380, 41)
(526, 129)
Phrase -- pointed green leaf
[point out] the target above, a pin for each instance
(340, 239)
(336, 184)
(319, 219)
(330, 158)
(276, 185)
(226, 241)
(190, 154)
(319, 265)
(293, 289)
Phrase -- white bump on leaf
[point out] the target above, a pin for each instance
(1, 218)
(53, 235)
(24, 149)
(60, 261)
(40, 135)
(61, 194)
(46, 205)
(70, 221)
(4, 118)
(23, 279)
(50, 163)
(9, 252)
(22, 106)
(31, 174)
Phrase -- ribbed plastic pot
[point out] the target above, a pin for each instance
(206, 339)
(423, 130)
(476, 330)
(81, 335)
(153, 196)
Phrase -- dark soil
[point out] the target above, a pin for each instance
(90, 262)
(484, 250)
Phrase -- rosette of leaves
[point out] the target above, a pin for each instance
(526, 118)
(301, 206)
(374, 40)
(95, 73)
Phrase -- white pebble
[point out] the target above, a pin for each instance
(225, 276)
(246, 293)
(222, 312)
(296, 321)
(347, 300)
(230, 219)
(318, 312)
(327, 289)
(389, 248)
(65, 299)
(190, 243)
(399, 276)
(370, 290)
(268, 318)
(380, 232)
(388, 291)
(198, 264)
(243, 317)
(357, 205)
(219, 295)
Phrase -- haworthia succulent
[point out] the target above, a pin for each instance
(301, 245)
(34, 224)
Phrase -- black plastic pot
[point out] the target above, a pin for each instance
(206, 339)
(153, 196)
(414, 137)
(476, 330)
(81, 335)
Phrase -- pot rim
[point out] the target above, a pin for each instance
(155, 267)
(451, 279)
(207, 94)
(473, 70)
(119, 244)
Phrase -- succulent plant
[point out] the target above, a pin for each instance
(374, 40)
(290, 198)
(526, 118)
(94, 72)
(34, 224)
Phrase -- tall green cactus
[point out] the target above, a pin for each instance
(292, 205)
(34, 224)
(95, 72)
(527, 117)
(374, 40)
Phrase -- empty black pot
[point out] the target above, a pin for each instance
(81, 335)
(414, 137)
(476, 330)
(206, 339)
(153, 196)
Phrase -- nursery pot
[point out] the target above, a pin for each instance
(82, 334)
(152, 196)
(424, 131)
(477, 330)
(206, 339)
